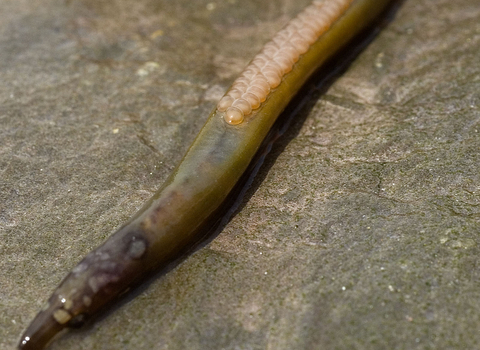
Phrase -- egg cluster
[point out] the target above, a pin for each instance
(277, 58)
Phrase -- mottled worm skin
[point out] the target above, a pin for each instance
(171, 220)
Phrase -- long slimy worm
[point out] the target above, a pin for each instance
(172, 221)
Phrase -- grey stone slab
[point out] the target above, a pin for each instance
(363, 234)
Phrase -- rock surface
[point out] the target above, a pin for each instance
(362, 231)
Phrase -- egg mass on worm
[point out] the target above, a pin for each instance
(266, 71)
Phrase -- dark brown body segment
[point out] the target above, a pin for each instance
(170, 221)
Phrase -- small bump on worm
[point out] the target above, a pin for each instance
(67, 304)
(62, 316)
(137, 248)
(87, 301)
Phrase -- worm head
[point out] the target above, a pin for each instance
(102, 276)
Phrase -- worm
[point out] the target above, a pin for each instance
(172, 220)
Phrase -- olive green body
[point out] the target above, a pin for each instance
(172, 221)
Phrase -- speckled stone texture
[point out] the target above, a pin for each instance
(362, 231)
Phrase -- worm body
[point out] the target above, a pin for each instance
(171, 221)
